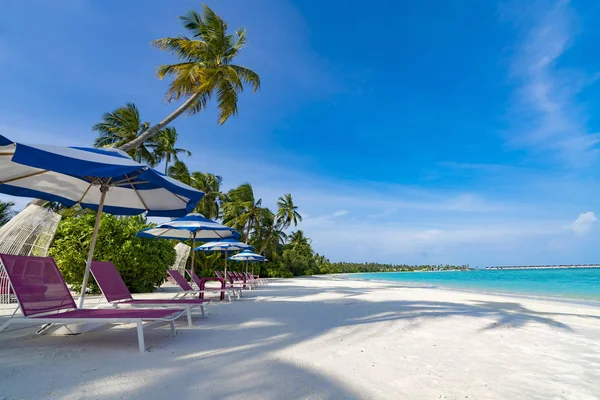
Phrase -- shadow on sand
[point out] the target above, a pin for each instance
(219, 359)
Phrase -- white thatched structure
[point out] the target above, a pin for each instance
(183, 252)
(29, 233)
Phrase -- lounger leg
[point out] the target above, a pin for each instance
(140, 332)
(44, 328)
(172, 323)
(5, 325)
(189, 315)
(202, 309)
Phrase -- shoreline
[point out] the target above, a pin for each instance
(574, 300)
(327, 337)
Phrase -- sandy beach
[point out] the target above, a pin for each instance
(326, 338)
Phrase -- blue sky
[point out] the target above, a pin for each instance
(417, 132)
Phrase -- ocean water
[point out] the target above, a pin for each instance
(581, 284)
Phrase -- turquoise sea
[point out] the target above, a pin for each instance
(581, 284)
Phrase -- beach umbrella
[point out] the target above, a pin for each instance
(192, 227)
(247, 256)
(225, 246)
(105, 180)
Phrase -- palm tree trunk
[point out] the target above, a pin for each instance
(153, 130)
(167, 163)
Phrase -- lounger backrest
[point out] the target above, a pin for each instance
(195, 279)
(230, 277)
(180, 280)
(37, 284)
(110, 282)
(219, 275)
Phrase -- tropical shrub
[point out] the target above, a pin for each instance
(142, 263)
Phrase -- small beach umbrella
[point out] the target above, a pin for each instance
(192, 227)
(105, 180)
(225, 246)
(247, 256)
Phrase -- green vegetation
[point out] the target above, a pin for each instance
(6, 211)
(121, 126)
(142, 263)
(163, 146)
(325, 267)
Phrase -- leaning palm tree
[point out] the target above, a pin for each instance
(210, 205)
(121, 126)
(205, 69)
(163, 146)
(6, 211)
(287, 212)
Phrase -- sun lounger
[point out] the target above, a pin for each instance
(44, 298)
(250, 279)
(236, 287)
(241, 278)
(228, 289)
(116, 292)
(187, 289)
(238, 280)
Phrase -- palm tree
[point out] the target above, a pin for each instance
(205, 70)
(120, 127)
(242, 211)
(298, 238)
(180, 172)
(287, 211)
(210, 205)
(6, 211)
(268, 237)
(163, 146)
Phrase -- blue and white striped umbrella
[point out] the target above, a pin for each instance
(106, 180)
(247, 255)
(225, 246)
(191, 227)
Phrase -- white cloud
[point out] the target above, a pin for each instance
(584, 223)
(340, 213)
(549, 116)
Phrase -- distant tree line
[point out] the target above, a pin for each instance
(327, 267)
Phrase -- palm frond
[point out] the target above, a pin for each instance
(227, 99)
(248, 76)
(183, 48)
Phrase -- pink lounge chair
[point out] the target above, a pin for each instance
(44, 298)
(188, 290)
(250, 279)
(237, 279)
(228, 288)
(116, 292)
(237, 288)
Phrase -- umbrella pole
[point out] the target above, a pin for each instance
(226, 279)
(193, 251)
(88, 264)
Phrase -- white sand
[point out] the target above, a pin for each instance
(327, 337)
